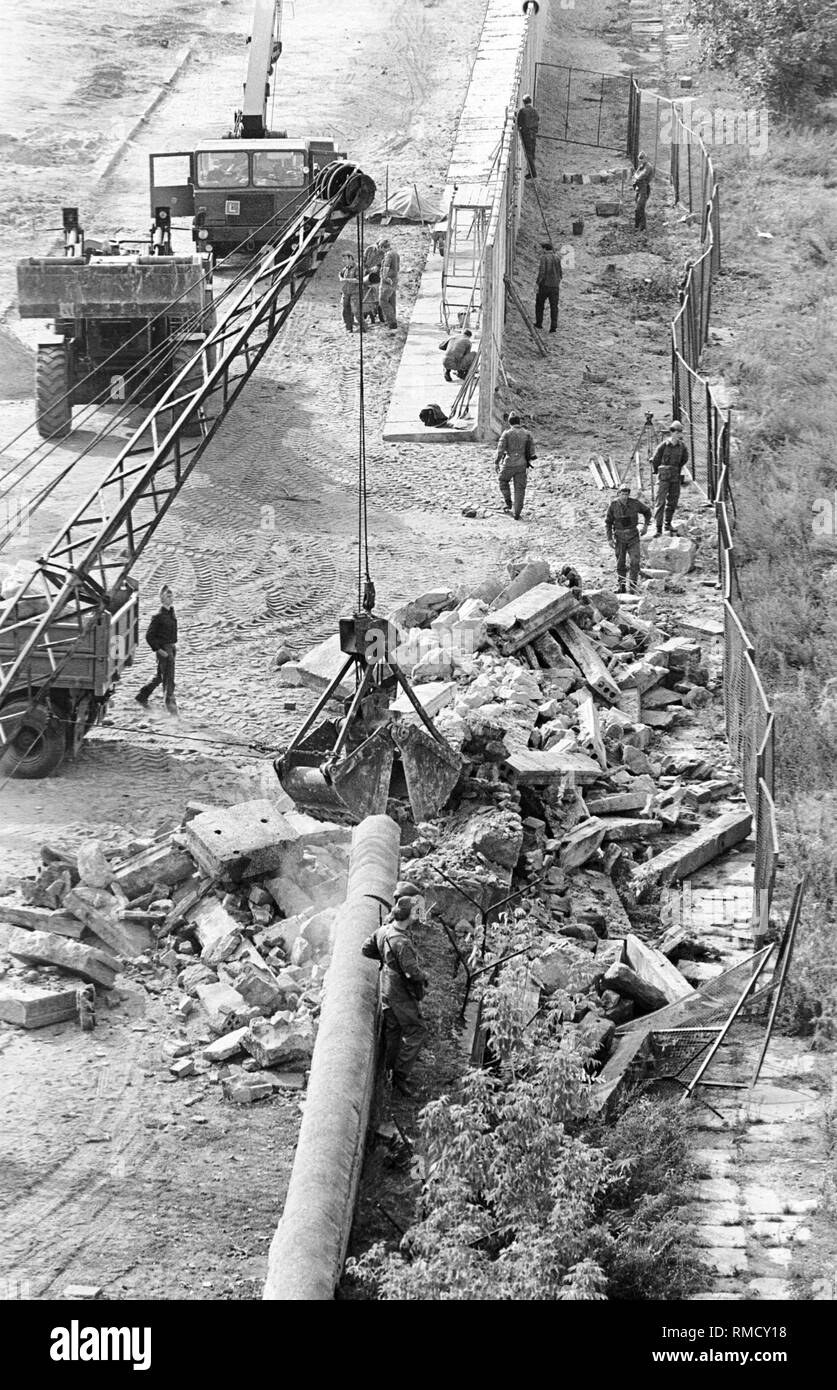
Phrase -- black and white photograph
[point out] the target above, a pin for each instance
(418, 753)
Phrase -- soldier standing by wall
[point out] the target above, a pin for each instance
(622, 529)
(528, 121)
(548, 286)
(403, 985)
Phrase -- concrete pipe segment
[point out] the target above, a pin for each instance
(309, 1247)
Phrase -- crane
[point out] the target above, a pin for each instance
(265, 47)
(71, 627)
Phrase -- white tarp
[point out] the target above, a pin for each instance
(410, 204)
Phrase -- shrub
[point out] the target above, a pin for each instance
(784, 49)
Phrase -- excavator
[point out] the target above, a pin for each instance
(236, 188)
(71, 627)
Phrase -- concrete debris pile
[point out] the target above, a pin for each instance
(230, 914)
(567, 805)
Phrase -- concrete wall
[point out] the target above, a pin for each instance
(309, 1248)
(503, 225)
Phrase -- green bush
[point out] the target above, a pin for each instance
(526, 1196)
(786, 50)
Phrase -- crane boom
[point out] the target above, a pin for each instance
(265, 47)
(83, 569)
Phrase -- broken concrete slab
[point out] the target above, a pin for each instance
(624, 981)
(166, 863)
(224, 1005)
(240, 841)
(258, 986)
(590, 738)
(672, 554)
(100, 913)
(581, 843)
(42, 919)
(43, 948)
(318, 668)
(627, 1062)
(30, 1006)
(496, 834)
(621, 828)
(533, 574)
(218, 933)
(696, 849)
(193, 976)
(585, 656)
(641, 675)
(273, 1044)
(655, 969)
(529, 616)
(225, 1047)
(536, 767)
(617, 803)
(433, 696)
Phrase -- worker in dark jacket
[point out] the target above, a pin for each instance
(641, 182)
(622, 528)
(459, 355)
(515, 452)
(403, 985)
(528, 121)
(548, 285)
(666, 462)
(387, 290)
(162, 639)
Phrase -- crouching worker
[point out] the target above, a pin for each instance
(459, 355)
(403, 985)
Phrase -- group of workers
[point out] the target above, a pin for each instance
(378, 277)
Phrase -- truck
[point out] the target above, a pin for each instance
(238, 189)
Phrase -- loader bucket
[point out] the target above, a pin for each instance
(361, 780)
(431, 768)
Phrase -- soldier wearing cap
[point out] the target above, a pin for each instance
(515, 452)
(622, 529)
(403, 984)
(528, 121)
(548, 285)
(666, 462)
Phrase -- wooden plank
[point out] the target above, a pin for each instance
(584, 654)
(699, 848)
(653, 967)
(534, 767)
(594, 466)
(42, 919)
(590, 736)
(44, 948)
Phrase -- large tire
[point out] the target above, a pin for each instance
(52, 385)
(33, 752)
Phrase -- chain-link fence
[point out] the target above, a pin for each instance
(706, 424)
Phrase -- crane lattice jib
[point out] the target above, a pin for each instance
(92, 554)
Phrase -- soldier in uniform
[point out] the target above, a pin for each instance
(528, 121)
(403, 984)
(517, 447)
(350, 291)
(622, 529)
(666, 462)
(641, 183)
(459, 355)
(390, 266)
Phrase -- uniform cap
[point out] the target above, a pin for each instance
(514, 419)
(405, 889)
(625, 487)
(675, 425)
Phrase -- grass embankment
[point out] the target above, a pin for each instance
(779, 295)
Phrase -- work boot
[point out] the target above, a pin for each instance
(142, 699)
(401, 1084)
(392, 327)
(448, 376)
(553, 330)
(171, 706)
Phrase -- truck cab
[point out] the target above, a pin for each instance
(239, 192)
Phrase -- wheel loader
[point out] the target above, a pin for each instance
(126, 318)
